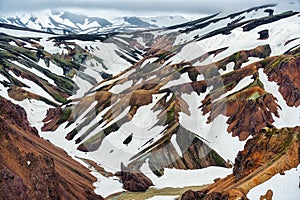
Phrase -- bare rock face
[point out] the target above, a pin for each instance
(134, 180)
(42, 178)
(266, 147)
(11, 185)
(16, 114)
(53, 114)
(192, 195)
(253, 105)
(263, 35)
(199, 195)
(19, 94)
(267, 196)
(241, 57)
(269, 11)
(32, 168)
(195, 154)
(270, 152)
(140, 98)
(285, 72)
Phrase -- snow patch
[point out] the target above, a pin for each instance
(117, 89)
(283, 186)
(183, 178)
(176, 146)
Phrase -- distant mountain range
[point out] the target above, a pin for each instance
(70, 23)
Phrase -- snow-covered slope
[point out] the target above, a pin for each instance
(70, 23)
(280, 184)
(188, 96)
(165, 21)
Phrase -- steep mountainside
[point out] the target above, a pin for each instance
(32, 168)
(272, 152)
(209, 94)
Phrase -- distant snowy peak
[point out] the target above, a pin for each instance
(156, 22)
(164, 21)
(70, 23)
(57, 22)
(79, 21)
(132, 22)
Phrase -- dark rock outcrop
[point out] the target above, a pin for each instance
(195, 195)
(134, 180)
(263, 35)
(270, 11)
(265, 20)
(198, 195)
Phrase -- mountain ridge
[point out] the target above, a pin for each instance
(71, 23)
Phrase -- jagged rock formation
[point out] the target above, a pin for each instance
(255, 108)
(267, 196)
(252, 103)
(32, 168)
(271, 152)
(133, 180)
(284, 70)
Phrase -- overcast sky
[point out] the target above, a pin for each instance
(113, 8)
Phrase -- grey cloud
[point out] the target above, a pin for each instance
(183, 6)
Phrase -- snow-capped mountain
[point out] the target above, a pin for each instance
(211, 101)
(70, 23)
(148, 22)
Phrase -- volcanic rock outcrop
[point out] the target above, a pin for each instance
(32, 168)
(134, 180)
(271, 152)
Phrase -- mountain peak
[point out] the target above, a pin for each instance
(69, 22)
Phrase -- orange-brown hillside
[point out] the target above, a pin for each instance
(32, 168)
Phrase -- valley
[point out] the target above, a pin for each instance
(163, 108)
